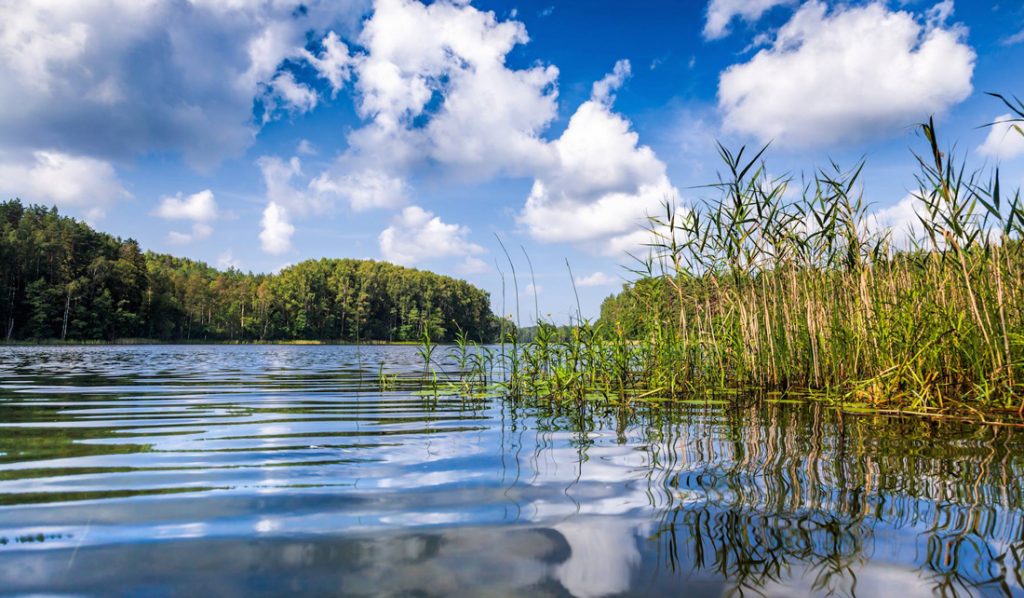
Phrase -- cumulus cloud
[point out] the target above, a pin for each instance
(597, 279)
(285, 93)
(721, 13)
(432, 83)
(417, 235)
(284, 199)
(93, 83)
(277, 230)
(1005, 138)
(65, 180)
(848, 74)
(284, 182)
(901, 221)
(333, 63)
(364, 190)
(292, 193)
(603, 184)
(433, 88)
(200, 208)
(603, 91)
(115, 78)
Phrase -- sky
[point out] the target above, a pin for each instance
(256, 134)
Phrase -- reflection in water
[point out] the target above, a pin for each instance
(251, 470)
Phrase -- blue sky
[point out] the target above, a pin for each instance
(259, 133)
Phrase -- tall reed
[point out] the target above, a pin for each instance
(757, 288)
(773, 287)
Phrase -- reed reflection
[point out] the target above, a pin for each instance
(772, 496)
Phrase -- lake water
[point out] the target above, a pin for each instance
(250, 470)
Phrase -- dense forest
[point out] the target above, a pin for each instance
(60, 279)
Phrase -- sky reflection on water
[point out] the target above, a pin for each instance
(264, 470)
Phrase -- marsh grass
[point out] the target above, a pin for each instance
(800, 293)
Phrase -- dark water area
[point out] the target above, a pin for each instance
(265, 470)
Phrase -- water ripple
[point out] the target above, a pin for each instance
(263, 469)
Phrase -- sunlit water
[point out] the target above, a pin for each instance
(226, 470)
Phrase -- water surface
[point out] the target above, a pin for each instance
(250, 470)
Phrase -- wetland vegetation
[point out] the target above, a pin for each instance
(797, 290)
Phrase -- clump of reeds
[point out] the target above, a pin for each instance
(762, 288)
(757, 289)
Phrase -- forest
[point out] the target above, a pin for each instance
(60, 279)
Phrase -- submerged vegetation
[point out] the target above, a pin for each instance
(60, 279)
(807, 294)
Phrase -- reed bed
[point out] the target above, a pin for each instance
(786, 288)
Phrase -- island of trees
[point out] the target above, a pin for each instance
(60, 279)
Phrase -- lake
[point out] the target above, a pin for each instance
(252, 470)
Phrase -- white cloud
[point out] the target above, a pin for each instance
(278, 178)
(306, 148)
(283, 200)
(901, 221)
(200, 230)
(434, 86)
(287, 188)
(199, 207)
(227, 261)
(533, 289)
(68, 181)
(1014, 39)
(364, 190)
(603, 185)
(849, 74)
(285, 93)
(603, 91)
(597, 279)
(333, 63)
(722, 12)
(416, 235)
(117, 78)
(108, 80)
(1005, 139)
(276, 235)
(472, 265)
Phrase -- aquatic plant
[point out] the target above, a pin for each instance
(807, 293)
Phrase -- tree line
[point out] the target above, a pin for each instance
(61, 279)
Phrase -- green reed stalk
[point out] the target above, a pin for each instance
(757, 288)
